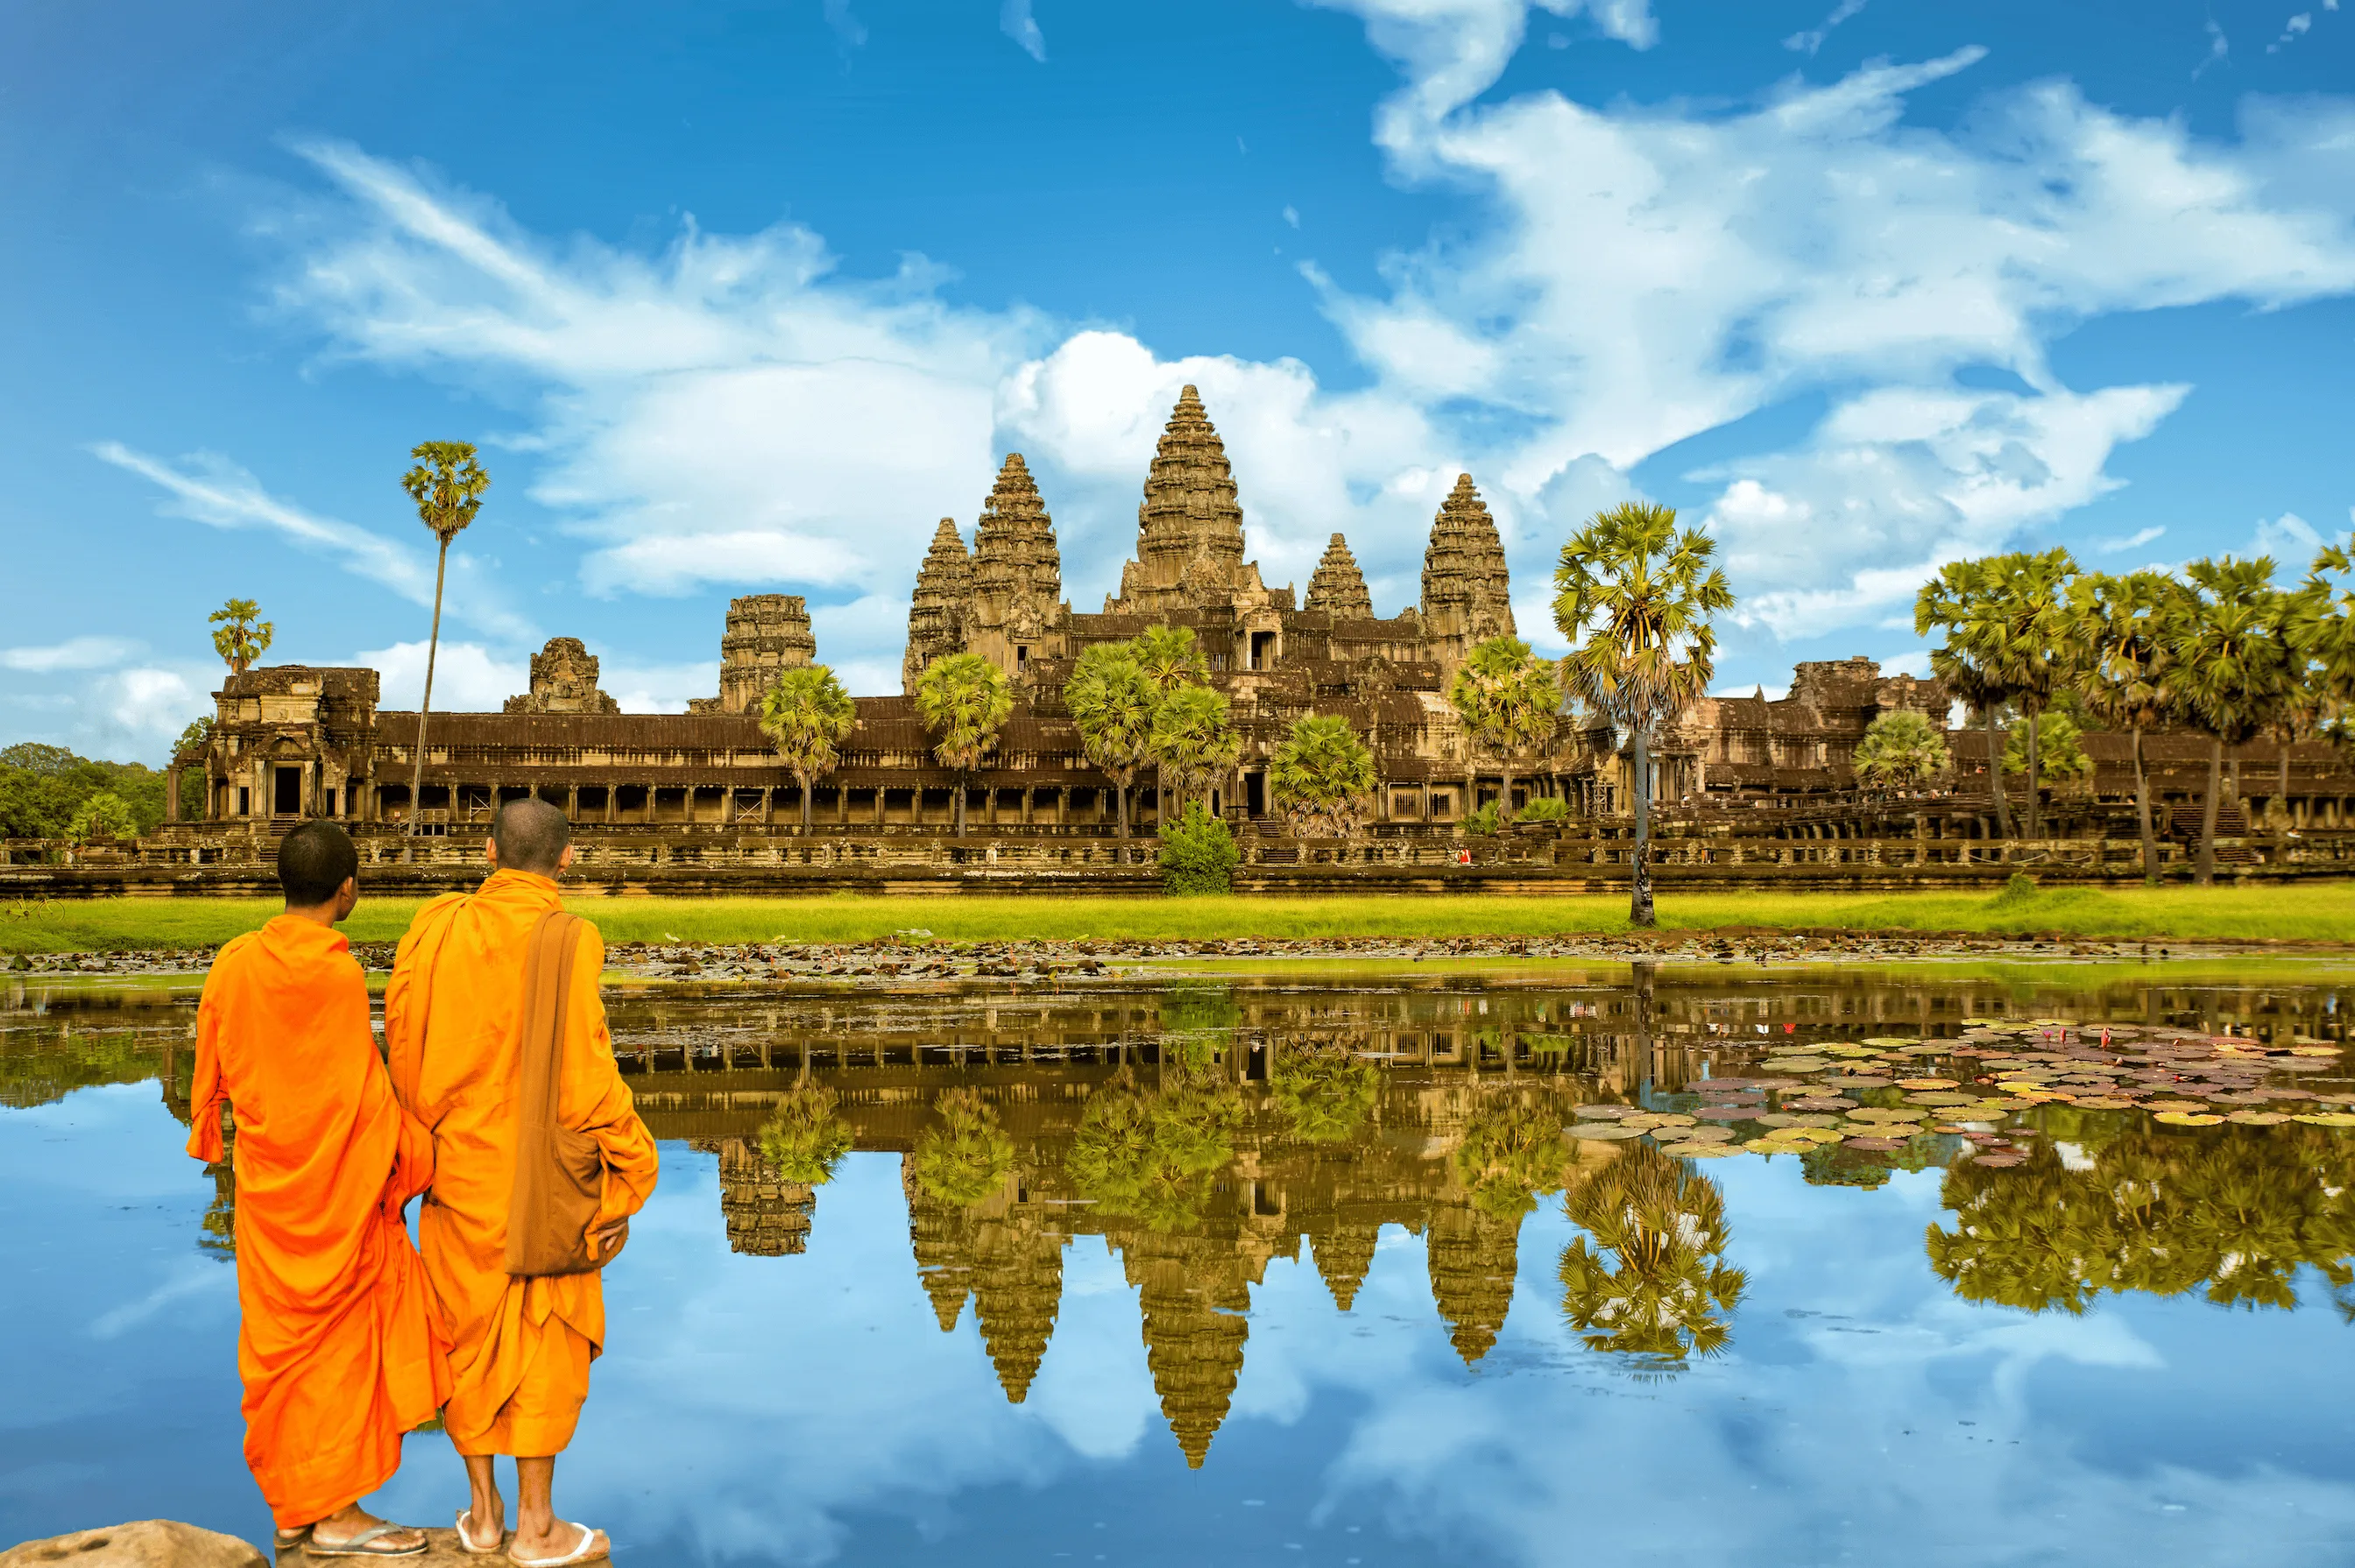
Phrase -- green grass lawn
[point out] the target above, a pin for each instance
(2311, 911)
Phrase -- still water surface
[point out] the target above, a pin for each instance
(1344, 1267)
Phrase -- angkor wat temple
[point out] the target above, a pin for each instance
(294, 741)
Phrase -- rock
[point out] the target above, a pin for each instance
(149, 1543)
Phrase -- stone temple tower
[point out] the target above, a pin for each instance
(1338, 589)
(1467, 594)
(1189, 528)
(936, 616)
(765, 632)
(1018, 575)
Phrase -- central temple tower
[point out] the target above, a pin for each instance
(1189, 528)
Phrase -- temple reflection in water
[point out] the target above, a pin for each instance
(1199, 1130)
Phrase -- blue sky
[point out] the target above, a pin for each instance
(745, 298)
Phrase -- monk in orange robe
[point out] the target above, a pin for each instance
(338, 1342)
(521, 1346)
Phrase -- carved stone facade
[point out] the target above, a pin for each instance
(1338, 588)
(765, 632)
(1018, 575)
(563, 680)
(941, 605)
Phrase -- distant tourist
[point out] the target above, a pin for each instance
(338, 1342)
(498, 1044)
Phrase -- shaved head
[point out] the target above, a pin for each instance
(314, 861)
(531, 836)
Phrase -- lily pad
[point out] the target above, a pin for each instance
(1605, 1132)
(2194, 1119)
(2327, 1119)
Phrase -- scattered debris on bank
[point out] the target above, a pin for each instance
(911, 956)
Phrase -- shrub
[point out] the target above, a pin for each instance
(1545, 808)
(1482, 823)
(1197, 855)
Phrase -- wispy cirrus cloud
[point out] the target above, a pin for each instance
(74, 653)
(209, 488)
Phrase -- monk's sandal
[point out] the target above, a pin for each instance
(369, 1542)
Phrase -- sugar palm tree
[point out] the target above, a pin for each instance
(2231, 669)
(2118, 633)
(965, 1157)
(1653, 1282)
(1193, 743)
(806, 716)
(1322, 775)
(2322, 633)
(1967, 668)
(1509, 700)
(1635, 596)
(447, 485)
(2025, 621)
(243, 636)
(1901, 749)
(964, 700)
(1169, 658)
(805, 1138)
(1111, 701)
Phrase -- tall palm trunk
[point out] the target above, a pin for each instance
(432, 648)
(1120, 805)
(2280, 786)
(1505, 801)
(804, 779)
(1639, 906)
(2035, 791)
(2206, 874)
(1995, 775)
(2142, 811)
(961, 792)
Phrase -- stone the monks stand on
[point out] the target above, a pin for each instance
(521, 1346)
(338, 1343)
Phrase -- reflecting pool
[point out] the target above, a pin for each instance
(1476, 1263)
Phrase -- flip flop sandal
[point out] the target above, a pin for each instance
(581, 1554)
(466, 1542)
(288, 1539)
(367, 1544)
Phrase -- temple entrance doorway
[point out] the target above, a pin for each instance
(1255, 795)
(285, 791)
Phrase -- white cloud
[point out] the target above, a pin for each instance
(467, 677)
(2135, 540)
(74, 653)
(1014, 20)
(1812, 40)
(2289, 539)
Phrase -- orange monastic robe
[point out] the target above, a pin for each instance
(338, 1341)
(521, 1348)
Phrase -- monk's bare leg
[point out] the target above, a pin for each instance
(486, 1515)
(538, 1533)
(347, 1521)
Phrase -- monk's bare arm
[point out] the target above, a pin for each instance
(595, 1101)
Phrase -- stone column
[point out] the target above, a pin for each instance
(613, 804)
(172, 794)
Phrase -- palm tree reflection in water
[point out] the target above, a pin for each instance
(1654, 1282)
(2232, 1216)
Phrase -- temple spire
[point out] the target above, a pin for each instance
(1014, 553)
(936, 616)
(1189, 527)
(1338, 588)
(1466, 592)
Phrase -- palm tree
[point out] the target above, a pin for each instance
(2025, 619)
(1950, 601)
(964, 700)
(447, 485)
(1111, 701)
(2232, 668)
(2054, 739)
(242, 637)
(2118, 632)
(806, 716)
(2322, 634)
(1322, 775)
(1509, 700)
(1169, 658)
(805, 1139)
(1901, 749)
(965, 1157)
(1665, 1281)
(1634, 597)
(1194, 745)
